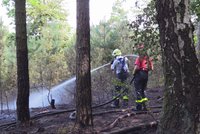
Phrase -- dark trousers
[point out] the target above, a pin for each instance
(140, 83)
(122, 77)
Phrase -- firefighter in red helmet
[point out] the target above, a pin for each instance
(143, 64)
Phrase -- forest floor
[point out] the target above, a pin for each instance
(105, 120)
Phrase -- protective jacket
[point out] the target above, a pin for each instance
(144, 64)
(117, 67)
(120, 67)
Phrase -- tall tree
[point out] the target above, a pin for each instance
(198, 41)
(83, 76)
(104, 39)
(182, 77)
(1, 53)
(195, 7)
(23, 114)
(43, 12)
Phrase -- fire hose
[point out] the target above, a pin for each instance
(73, 114)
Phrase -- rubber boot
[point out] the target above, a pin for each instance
(144, 107)
(125, 103)
(138, 106)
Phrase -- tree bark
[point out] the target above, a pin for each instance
(198, 42)
(1, 51)
(83, 76)
(182, 77)
(23, 114)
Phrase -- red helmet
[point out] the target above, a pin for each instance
(140, 46)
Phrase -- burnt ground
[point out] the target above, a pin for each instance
(105, 119)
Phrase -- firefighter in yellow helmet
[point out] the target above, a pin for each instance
(120, 68)
(116, 52)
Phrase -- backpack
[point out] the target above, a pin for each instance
(121, 64)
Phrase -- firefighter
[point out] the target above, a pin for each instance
(143, 64)
(119, 66)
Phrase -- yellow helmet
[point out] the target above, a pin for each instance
(116, 52)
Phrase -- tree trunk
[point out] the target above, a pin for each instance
(23, 114)
(198, 42)
(1, 89)
(1, 98)
(182, 77)
(1, 53)
(83, 76)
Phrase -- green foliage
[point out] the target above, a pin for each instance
(195, 7)
(118, 13)
(48, 53)
(40, 13)
(109, 35)
(70, 56)
(103, 42)
(52, 46)
(7, 59)
(145, 29)
(49, 38)
(195, 39)
(119, 22)
(9, 4)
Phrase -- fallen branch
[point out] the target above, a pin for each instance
(114, 123)
(154, 107)
(112, 111)
(160, 99)
(5, 125)
(123, 110)
(131, 129)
